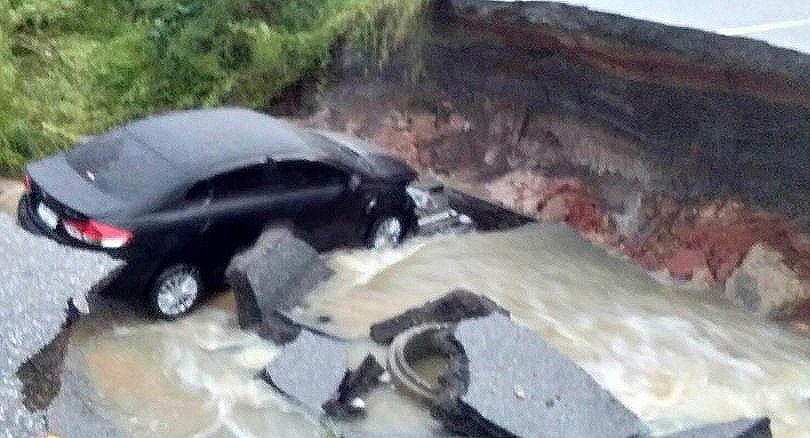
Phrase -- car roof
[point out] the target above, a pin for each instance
(205, 141)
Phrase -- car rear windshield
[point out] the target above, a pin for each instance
(118, 165)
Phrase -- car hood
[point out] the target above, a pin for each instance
(378, 163)
(59, 181)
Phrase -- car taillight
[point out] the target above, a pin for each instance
(27, 182)
(96, 233)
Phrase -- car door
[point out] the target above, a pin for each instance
(242, 202)
(325, 208)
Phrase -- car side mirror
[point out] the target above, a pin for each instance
(354, 182)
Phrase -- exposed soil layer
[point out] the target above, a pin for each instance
(41, 374)
(642, 50)
(678, 147)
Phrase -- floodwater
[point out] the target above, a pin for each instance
(665, 351)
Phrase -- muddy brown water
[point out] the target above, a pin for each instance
(665, 351)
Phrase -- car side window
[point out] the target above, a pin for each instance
(296, 175)
(246, 181)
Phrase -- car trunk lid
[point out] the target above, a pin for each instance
(56, 184)
(110, 176)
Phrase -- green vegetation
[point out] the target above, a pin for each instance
(70, 68)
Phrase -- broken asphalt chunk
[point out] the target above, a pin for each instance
(453, 307)
(520, 386)
(744, 428)
(272, 277)
(309, 369)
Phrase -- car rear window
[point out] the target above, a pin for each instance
(117, 164)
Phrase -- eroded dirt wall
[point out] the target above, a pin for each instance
(503, 86)
(678, 147)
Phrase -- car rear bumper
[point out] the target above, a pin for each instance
(30, 221)
(134, 275)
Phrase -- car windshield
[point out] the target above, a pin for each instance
(118, 165)
(334, 149)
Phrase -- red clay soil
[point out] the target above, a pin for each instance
(716, 235)
(708, 240)
(585, 213)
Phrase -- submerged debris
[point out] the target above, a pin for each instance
(41, 281)
(453, 307)
(415, 344)
(272, 277)
(486, 215)
(433, 211)
(745, 428)
(355, 383)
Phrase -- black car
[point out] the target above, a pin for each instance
(176, 195)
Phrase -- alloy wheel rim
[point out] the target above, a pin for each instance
(387, 234)
(177, 294)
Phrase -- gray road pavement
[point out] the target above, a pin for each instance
(783, 23)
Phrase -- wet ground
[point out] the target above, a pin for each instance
(10, 192)
(664, 351)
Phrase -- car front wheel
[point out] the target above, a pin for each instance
(175, 291)
(386, 232)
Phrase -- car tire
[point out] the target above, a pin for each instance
(386, 232)
(175, 291)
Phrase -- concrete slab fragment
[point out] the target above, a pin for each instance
(523, 387)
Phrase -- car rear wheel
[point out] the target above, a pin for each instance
(175, 291)
(386, 232)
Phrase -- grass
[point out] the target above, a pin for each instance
(71, 68)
